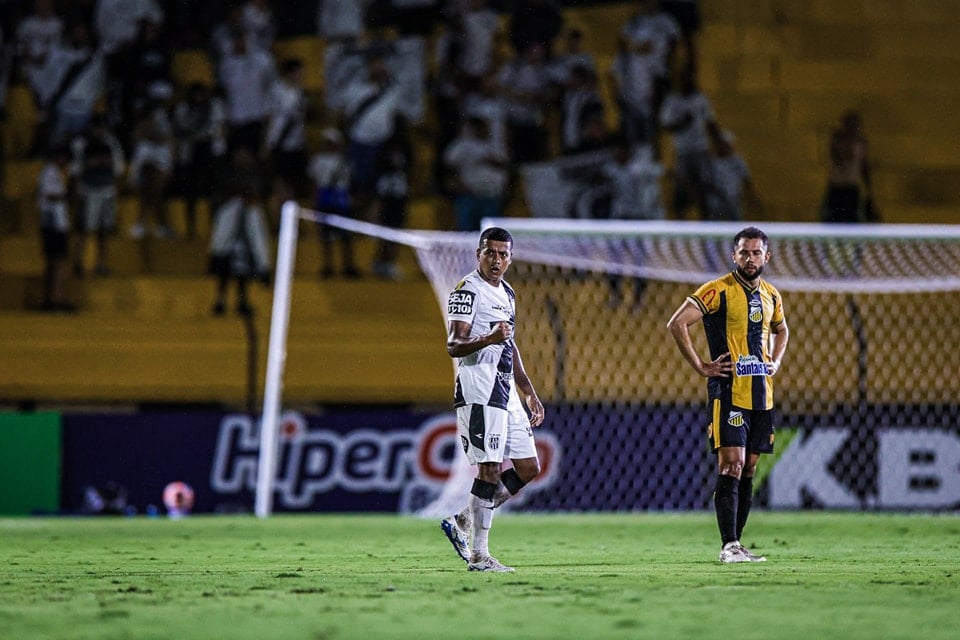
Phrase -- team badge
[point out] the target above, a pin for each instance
(735, 419)
(494, 442)
(756, 311)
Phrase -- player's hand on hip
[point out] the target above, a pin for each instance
(721, 367)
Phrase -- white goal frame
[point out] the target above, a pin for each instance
(292, 213)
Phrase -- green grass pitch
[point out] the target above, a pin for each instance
(829, 575)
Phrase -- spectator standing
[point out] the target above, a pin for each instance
(728, 186)
(688, 115)
(582, 119)
(226, 31)
(54, 228)
(68, 88)
(286, 138)
(117, 26)
(150, 169)
(634, 177)
(525, 81)
(480, 26)
(488, 103)
(258, 23)
(148, 69)
(650, 37)
(572, 57)
(247, 75)
(198, 122)
(849, 195)
(371, 113)
(37, 35)
(97, 163)
(239, 246)
(446, 88)
(330, 173)
(479, 174)
(393, 193)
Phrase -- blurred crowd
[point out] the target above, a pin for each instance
(486, 87)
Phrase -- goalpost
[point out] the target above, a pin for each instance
(871, 312)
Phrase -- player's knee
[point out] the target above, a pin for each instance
(527, 470)
(731, 468)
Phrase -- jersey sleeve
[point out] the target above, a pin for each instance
(707, 297)
(462, 303)
(778, 317)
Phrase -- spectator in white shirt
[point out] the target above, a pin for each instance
(525, 81)
(150, 169)
(480, 28)
(728, 187)
(74, 80)
(247, 75)
(688, 116)
(371, 113)
(342, 19)
(479, 175)
(286, 139)
(36, 36)
(330, 174)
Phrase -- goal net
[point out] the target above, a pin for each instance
(867, 398)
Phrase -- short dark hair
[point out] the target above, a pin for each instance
(497, 234)
(751, 233)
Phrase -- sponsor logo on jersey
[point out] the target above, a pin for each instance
(751, 366)
(756, 311)
(460, 303)
(735, 419)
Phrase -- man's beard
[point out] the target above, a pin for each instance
(746, 276)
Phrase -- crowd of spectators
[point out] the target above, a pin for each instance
(490, 86)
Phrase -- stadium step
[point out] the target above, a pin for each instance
(155, 340)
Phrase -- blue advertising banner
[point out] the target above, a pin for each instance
(593, 458)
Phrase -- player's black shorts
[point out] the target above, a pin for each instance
(731, 426)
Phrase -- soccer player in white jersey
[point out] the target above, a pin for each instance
(492, 397)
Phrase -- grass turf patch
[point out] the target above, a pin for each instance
(845, 575)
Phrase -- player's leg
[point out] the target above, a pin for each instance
(745, 491)
(522, 451)
(482, 432)
(760, 441)
(728, 430)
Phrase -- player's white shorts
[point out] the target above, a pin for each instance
(489, 434)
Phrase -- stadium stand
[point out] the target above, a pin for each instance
(779, 74)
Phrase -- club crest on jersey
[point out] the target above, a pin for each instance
(756, 311)
(735, 419)
(460, 302)
(494, 442)
(751, 366)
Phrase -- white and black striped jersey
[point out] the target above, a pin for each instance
(485, 376)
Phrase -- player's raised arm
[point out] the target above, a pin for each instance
(679, 325)
(459, 342)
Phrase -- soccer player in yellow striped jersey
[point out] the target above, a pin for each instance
(740, 312)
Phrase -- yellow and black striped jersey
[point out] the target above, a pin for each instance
(738, 320)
